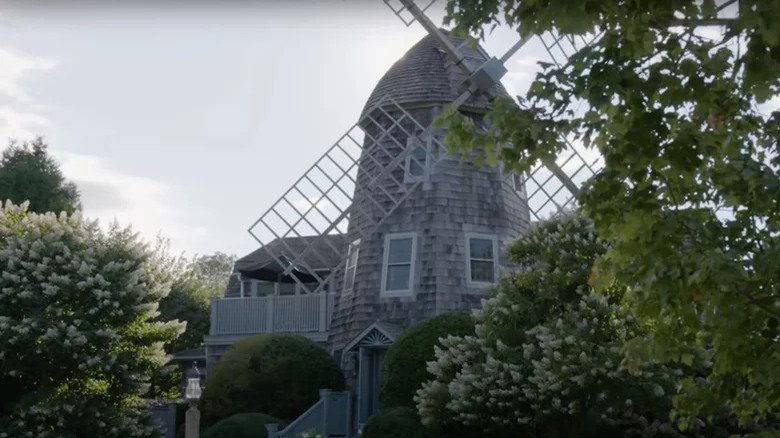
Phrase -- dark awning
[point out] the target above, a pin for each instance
(273, 271)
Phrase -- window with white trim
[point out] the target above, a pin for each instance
(352, 257)
(481, 258)
(417, 160)
(398, 266)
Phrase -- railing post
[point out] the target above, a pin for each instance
(348, 421)
(323, 308)
(213, 305)
(269, 315)
(325, 397)
(272, 429)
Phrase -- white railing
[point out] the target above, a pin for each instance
(272, 314)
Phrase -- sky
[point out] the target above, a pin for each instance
(189, 122)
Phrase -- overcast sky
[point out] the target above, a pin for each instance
(191, 121)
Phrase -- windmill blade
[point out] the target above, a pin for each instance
(320, 203)
(401, 10)
(552, 185)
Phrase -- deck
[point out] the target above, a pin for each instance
(309, 313)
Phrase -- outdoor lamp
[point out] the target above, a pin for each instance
(193, 391)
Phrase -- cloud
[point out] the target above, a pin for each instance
(14, 67)
(522, 71)
(19, 113)
(18, 124)
(152, 207)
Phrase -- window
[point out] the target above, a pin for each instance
(352, 257)
(287, 288)
(417, 160)
(264, 288)
(398, 263)
(246, 288)
(482, 260)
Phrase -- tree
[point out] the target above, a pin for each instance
(546, 357)
(279, 374)
(213, 270)
(403, 368)
(77, 343)
(188, 301)
(193, 282)
(688, 196)
(246, 425)
(28, 173)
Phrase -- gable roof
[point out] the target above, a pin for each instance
(379, 333)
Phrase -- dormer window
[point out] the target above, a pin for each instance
(352, 257)
(417, 160)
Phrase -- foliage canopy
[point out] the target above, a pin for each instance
(688, 196)
(404, 365)
(279, 374)
(29, 173)
(246, 425)
(76, 329)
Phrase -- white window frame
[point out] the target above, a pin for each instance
(493, 238)
(385, 265)
(516, 181)
(353, 246)
(426, 146)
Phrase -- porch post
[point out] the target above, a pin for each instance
(364, 384)
(269, 314)
(323, 308)
(213, 304)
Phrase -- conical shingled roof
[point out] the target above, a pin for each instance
(426, 75)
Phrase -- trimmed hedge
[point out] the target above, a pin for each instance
(278, 373)
(394, 423)
(404, 369)
(246, 425)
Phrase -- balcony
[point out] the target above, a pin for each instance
(308, 315)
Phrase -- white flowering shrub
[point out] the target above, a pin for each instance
(546, 358)
(313, 433)
(77, 345)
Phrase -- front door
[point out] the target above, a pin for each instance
(369, 376)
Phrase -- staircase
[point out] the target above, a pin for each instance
(331, 417)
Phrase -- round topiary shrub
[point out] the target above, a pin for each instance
(246, 425)
(278, 373)
(404, 369)
(393, 423)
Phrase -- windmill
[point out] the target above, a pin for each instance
(321, 203)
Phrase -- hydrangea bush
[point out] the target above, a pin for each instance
(547, 355)
(77, 341)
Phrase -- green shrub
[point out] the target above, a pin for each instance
(393, 423)
(404, 369)
(246, 425)
(279, 374)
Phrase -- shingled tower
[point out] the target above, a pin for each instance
(439, 249)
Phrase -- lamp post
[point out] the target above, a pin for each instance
(192, 394)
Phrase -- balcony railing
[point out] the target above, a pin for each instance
(272, 314)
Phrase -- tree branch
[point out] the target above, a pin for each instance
(697, 22)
